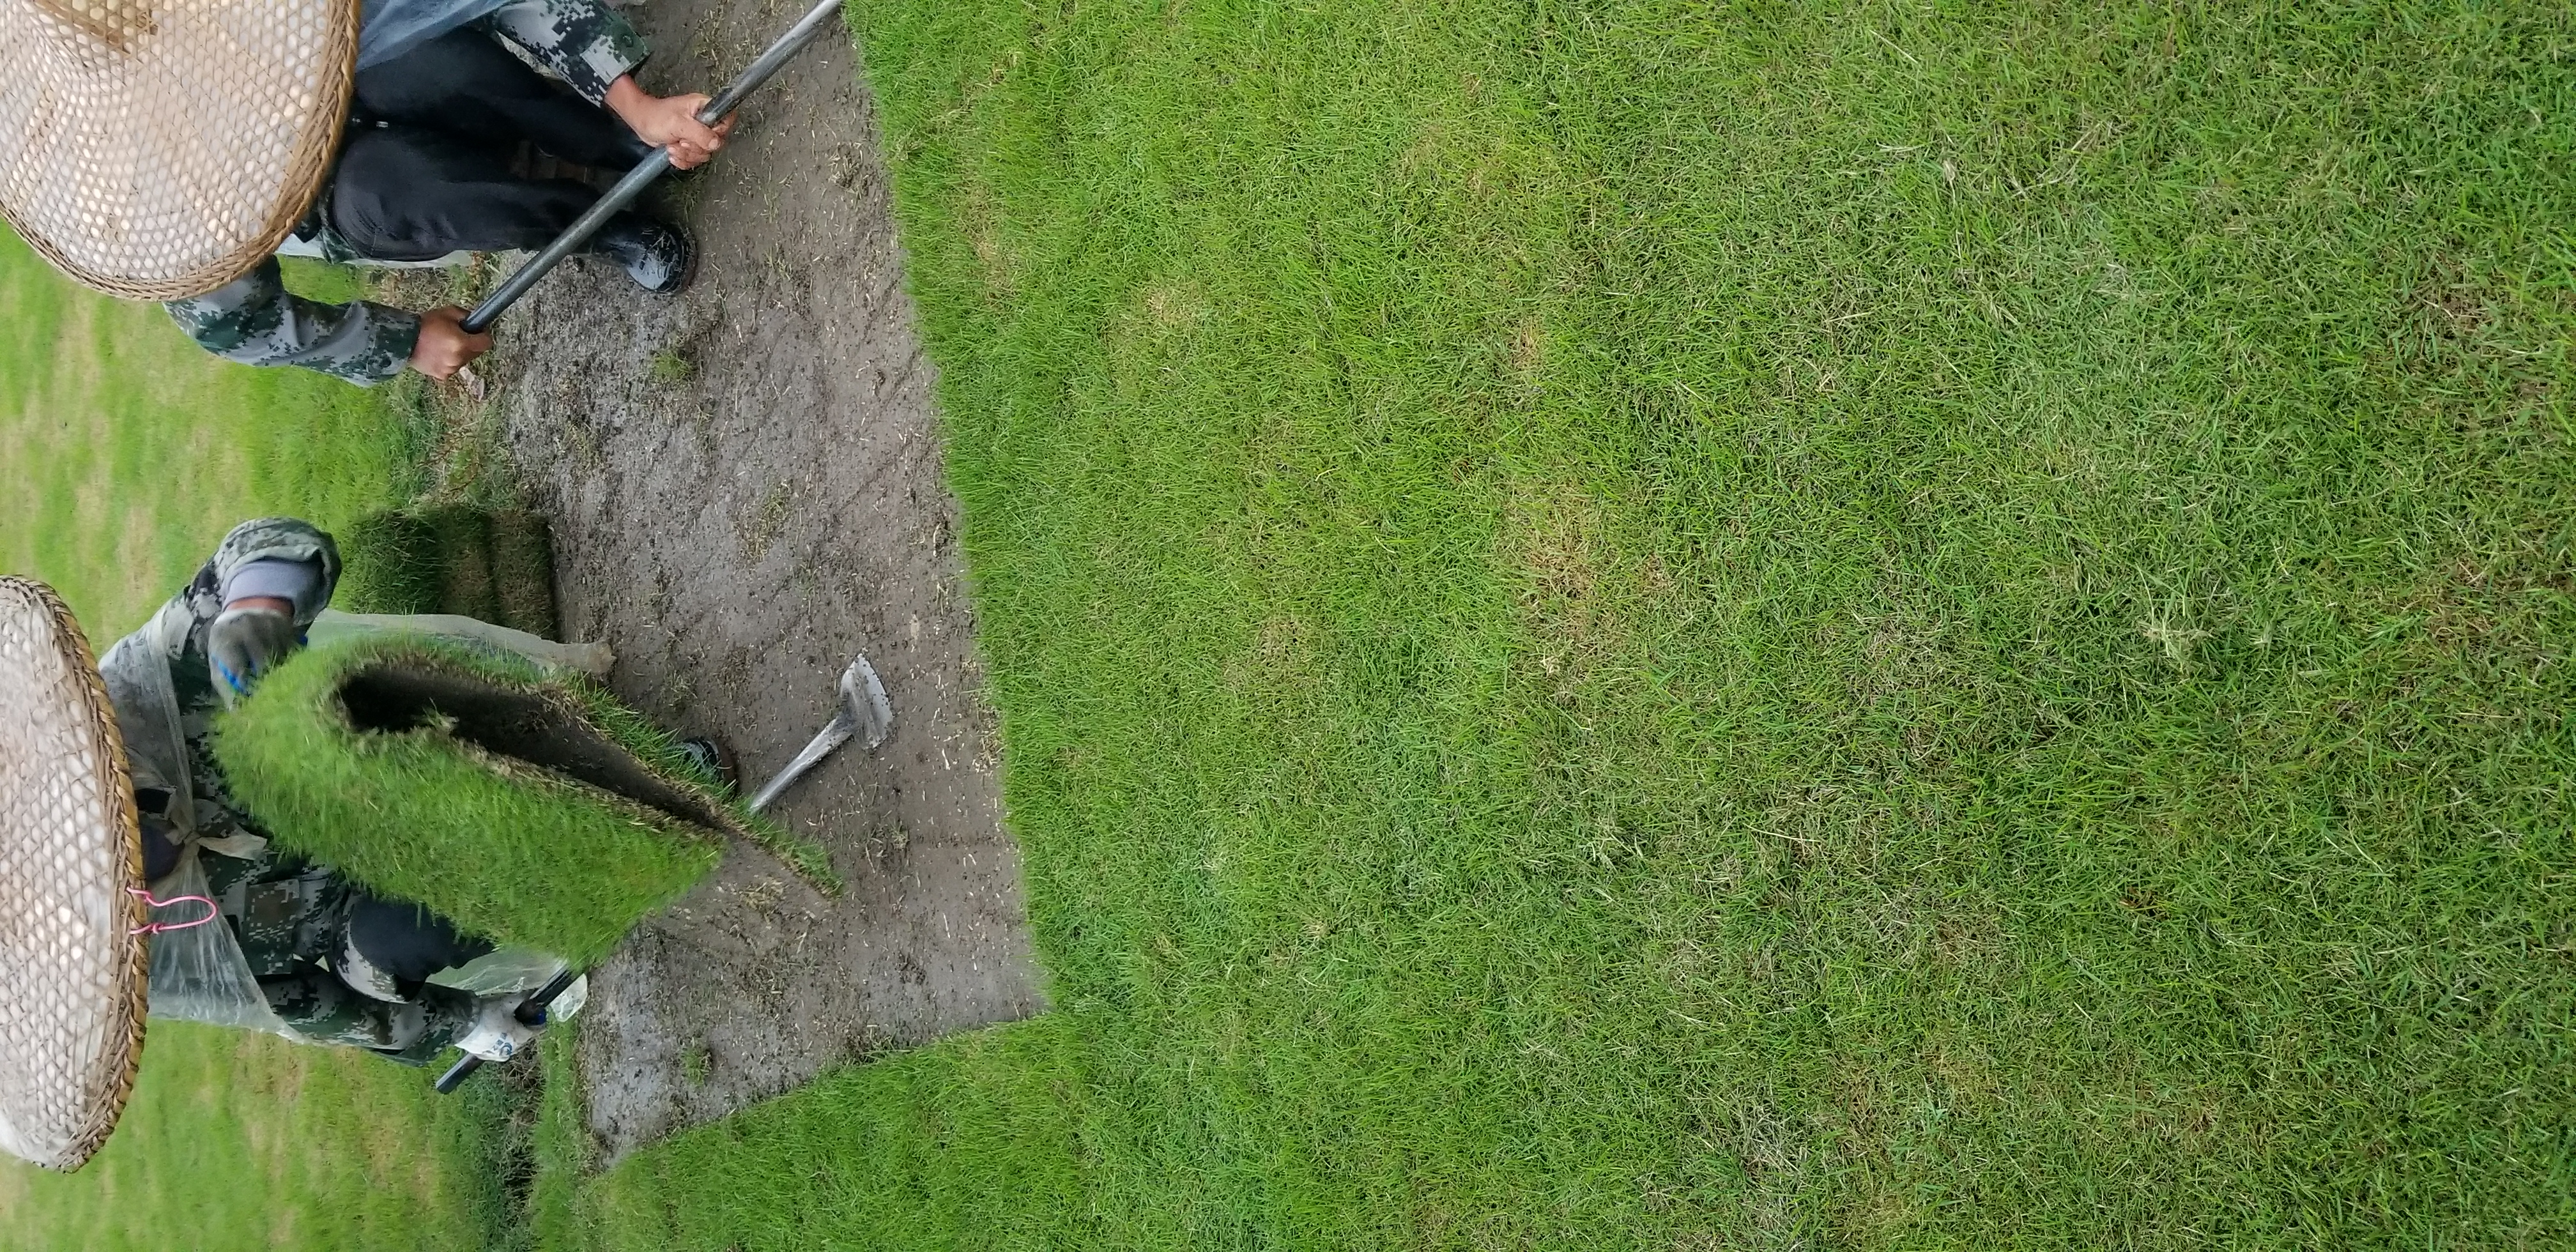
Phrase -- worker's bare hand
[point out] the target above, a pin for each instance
(444, 346)
(668, 122)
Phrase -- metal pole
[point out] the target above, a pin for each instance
(648, 169)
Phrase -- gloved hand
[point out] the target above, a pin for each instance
(496, 1034)
(244, 644)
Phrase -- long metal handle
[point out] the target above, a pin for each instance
(651, 167)
(531, 1014)
(832, 736)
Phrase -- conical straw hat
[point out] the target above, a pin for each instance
(71, 861)
(155, 149)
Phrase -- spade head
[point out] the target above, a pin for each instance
(863, 704)
(864, 715)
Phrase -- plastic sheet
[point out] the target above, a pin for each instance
(593, 659)
(389, 28)
(199, 974)
(137, 673)
(502, 972)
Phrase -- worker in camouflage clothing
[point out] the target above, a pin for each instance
(332, 962)
(424, 172)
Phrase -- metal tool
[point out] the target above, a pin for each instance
(864, 715)
(651, 167)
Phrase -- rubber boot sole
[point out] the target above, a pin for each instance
(688, 268)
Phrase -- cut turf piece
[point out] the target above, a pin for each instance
(532, 809)
(496, 566)
(464, 543)
(523, 572)
(389, 564)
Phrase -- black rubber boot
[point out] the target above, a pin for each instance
(714, 758)
(660, 258)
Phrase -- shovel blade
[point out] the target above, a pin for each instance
(863, 701)
(865, 715)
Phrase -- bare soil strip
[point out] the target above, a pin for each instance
(747, 488)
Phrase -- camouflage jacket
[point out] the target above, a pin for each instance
(255, 320)
(286, 913)
(584, 42)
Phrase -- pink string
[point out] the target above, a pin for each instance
(154, 928)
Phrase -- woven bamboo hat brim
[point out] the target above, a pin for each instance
(155, 149)
(72, 967)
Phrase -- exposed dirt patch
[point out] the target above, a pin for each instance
(746, 486)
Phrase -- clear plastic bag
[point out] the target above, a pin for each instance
(137, 674)
(593, 659)
(389, 28)
(502, 971)
(199, 973)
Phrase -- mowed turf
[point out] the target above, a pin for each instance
(1663, 625)
(126, 454)
(128, 451)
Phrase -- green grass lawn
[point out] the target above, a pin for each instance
(127, 454)
(1663, 625)
(1653, 625)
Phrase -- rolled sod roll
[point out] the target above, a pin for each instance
(530, 808)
